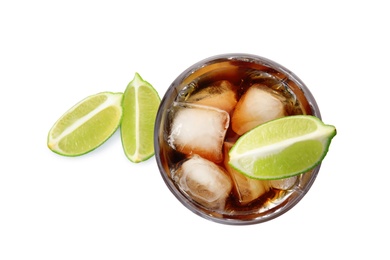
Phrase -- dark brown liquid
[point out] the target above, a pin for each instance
(242, 76)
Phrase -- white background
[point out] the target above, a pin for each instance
(102, 206)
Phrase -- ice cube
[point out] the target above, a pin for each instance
(247, 189)
(256, 106)
(283, 184)
(219, 94)
(198, 129)
(204, 181)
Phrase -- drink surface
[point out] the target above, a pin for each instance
(206, 117)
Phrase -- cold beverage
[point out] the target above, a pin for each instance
(206, 109)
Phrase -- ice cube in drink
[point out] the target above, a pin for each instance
(198, 129)
(220, 94)
(247, 189)
(283, 184)
(204, 181)
(257, 105)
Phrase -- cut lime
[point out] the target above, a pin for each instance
(282, 148)
(140, 104)
(86, 125)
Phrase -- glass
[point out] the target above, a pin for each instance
(235, 199)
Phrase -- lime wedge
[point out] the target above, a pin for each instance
(86, 125)
(282, 148)
(140, 104)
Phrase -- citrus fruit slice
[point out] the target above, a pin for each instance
(140, 103)
(282, 148)
(86, 125)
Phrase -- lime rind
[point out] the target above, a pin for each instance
(276, 159)
(66, 130)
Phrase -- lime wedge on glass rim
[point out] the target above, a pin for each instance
(282, 148)
(86, 125)
(140, 104)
